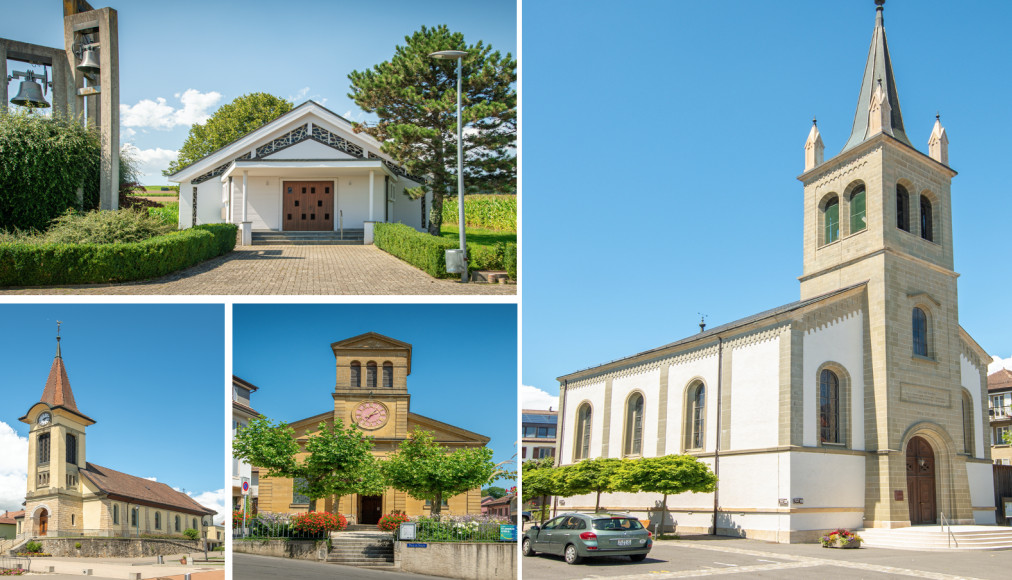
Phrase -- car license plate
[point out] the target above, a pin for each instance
(624, 542)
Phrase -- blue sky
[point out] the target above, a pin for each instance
(151, 376)
(463, 365)
(662, 142)
(180, 61)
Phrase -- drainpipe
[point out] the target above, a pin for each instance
(716, 443)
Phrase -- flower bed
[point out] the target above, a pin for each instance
(469, 528)
(841, 538)
(390, 522)
(11, 571)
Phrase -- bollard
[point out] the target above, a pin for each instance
(86, 572)
(161, 560)
(187, 577)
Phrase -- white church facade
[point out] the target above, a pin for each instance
(307, 170)
(863, 404)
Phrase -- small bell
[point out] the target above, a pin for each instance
(30, 95)
(89, 62)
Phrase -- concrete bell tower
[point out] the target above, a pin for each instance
(56, 453)
(879, 214)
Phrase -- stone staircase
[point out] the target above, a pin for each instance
(7, 545)
(930, 538)
(350, 238)
(365, 549)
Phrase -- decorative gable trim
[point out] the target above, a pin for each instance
(336, 141)
(296, 135)
(397, 169)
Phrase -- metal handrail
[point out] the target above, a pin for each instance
(945, 525)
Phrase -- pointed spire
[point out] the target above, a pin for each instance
(58, 355)
(938, 143)
(57, 392)
(814, 147)
(878, 67)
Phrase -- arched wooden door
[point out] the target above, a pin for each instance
(921, 481)
(43, 522)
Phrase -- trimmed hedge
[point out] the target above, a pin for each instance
(28, 264)
(422, 250)
(492, 212)
(511, 261)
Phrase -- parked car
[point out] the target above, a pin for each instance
(577, 536)
(526, 516)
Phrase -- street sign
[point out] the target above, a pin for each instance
(245, 486)
(507, 533)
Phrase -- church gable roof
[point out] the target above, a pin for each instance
(118, 485)
(444, 432)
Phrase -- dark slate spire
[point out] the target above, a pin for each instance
(878, 67)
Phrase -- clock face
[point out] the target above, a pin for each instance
(370, 415)
(44, 419)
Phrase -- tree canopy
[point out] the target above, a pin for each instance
(426, 470)
(590, 476)
(667, 475)
(415, 98)
(230, 122)
(494, 491)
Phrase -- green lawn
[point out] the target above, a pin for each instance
(483, 244)
(154, 191)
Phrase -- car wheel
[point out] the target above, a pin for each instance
(571, 556)
(527, 548)
(638, 557)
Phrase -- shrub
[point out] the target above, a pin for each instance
(33, 547)
(167, 213)
(191, 534)
(77, 545)
(493, 212)
(390, 522)
(319, 522)
(44, 161)
(28, 263)
(424, 251)
(510, 260)
(105, 227)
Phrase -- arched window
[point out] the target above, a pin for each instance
(858, 219)
(582, 442)
(634, 425)
(43, 452)
(133, 518)
(697, 413)
(831, 225)
(902, 208)
(115, 514)
(195, 523)
(388, 375)
(356, 374)
(370, 375)
(920, 324)
(158, 520)
(829, 407)
(71, 449)
(967, 424)
(926, 232)
(177, 523)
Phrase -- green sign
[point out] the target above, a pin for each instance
(507, 533)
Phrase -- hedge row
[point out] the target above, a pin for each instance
(493, 212)
(422, 250)
(27, 264)
(501, 256)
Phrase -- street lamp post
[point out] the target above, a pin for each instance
(458, 55)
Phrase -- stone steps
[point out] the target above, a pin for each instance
(362, 546)
(350, 237)
(934, 538)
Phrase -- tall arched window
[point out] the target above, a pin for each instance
(43, 452)
(177, 523)
(926, 232)
(858, 219)
(356, 374)
(158, 520)
(831, 224)
(115, 514)
(388, 375)
(920, 331)
(902, 208)
(829, 407)
(696, 416)
(582, 442)
(968, 446)
(71, 449)
(634, 425)
(370, 375)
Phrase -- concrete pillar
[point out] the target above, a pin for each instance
(4, 97)
(372, 193)
(245, 228)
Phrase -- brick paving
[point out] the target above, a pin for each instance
(290, 270)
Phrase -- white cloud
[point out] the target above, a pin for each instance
(13, 468)
(214, 500)
(303, 95)
(299, 95)
(158, 114)
(151, 161)
(127, 133)
(999, 363)
(150, 478)
(535, 398)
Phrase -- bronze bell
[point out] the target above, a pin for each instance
(30, 95)
(89, 62)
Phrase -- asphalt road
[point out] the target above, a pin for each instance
(250, 567)
(738, 558)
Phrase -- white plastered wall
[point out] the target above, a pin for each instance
(841, 342)
(679, 377)
(309, 149)
(575, 396)
(755, 394)
(406, 210)
(970, 380)
(981, 479)
(648, 383)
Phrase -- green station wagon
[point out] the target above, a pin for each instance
(578, 536)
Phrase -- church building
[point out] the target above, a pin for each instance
(371, 391)
(70, 496)
(863, 404)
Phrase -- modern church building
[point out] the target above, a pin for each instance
(863, 404)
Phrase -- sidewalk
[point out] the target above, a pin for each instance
(128, 568)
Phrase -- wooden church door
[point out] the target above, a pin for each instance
(921, 481)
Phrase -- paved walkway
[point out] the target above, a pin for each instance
(285, 270)
(128, 568)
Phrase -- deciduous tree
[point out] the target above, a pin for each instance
(539, 480)
(667, 475)
(590, 476)
(415, 98)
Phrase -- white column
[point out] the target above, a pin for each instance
(245, 229)
(245, 195)
(372, 189)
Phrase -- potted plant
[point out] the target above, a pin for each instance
(841, 538)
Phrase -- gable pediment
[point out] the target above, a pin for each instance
(370, 340)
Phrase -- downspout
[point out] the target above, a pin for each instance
(561, 432)
(716, 443)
